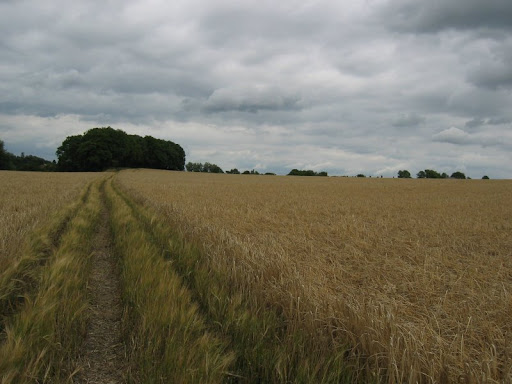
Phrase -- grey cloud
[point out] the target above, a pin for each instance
(476, 122)
(219, 76)
(408, 120)
(229, 23)
(499, 121)
(437, 15)
(251, 99)
(493, 77)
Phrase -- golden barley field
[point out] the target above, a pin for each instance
(412, 277)
(27, 199)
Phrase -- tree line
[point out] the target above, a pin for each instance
(99, 149)
(214, 168)
(432, 174)
(9, 161)
(306, 172)
(103, 148)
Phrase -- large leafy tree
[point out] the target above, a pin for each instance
(102, 148)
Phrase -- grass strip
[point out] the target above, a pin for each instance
(21, 278)
(44, 335)
(268, 349)
(167, 335)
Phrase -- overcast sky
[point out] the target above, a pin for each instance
(359, 86)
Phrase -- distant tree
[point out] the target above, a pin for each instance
(234, 171)
(458, 175)
(405, 174)
(4, 157)
(253, 172)
(444, 175)
(33, 163)
(270, 173)
(246, 173)
(214, 168)
(211, 168)
(429, 174)
(360, 175)
(24, 163)
(194, 167)
(206, 167)
(485, 177)
(308, 172)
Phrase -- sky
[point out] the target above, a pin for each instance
(359, 86)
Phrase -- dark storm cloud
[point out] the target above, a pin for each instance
(494, 76)
(436, 15)
(498, 121)
(478, 122)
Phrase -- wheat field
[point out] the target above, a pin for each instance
(412, 278)
(27, 201)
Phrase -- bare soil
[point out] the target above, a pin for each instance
(102, 359)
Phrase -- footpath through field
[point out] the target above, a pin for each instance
(102, 354)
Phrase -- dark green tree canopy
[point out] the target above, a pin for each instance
(458, 175)
(308, 172)
(4, 157)
(431, 174)
(102, 148)
(405, 174)
(206, 167)
(8, 161)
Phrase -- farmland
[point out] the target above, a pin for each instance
(28, 199)
(241, 278)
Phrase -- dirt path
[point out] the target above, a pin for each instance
(103, 355)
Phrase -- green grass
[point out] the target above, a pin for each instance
(21, 278)
(43, 336)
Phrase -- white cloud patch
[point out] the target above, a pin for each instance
(457, 136)
(452, 135)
